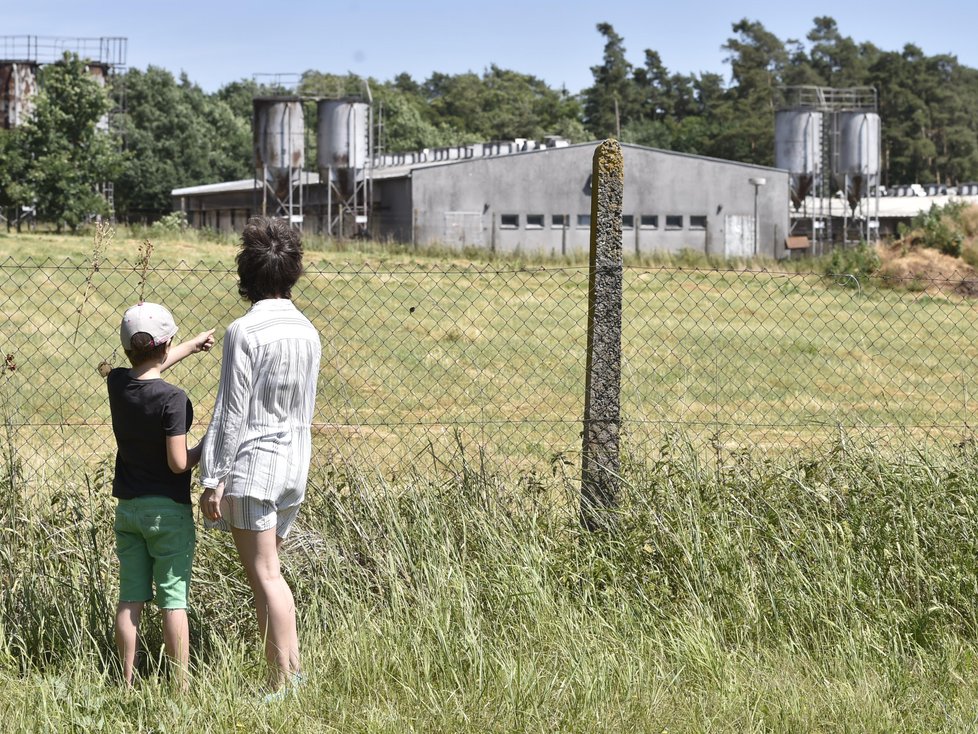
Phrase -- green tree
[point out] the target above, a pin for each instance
(67, 153)
(499, 105)
(13, 173)
(836, 59)
(654, 87)
(406, 122)
(176, 135)
(615, 99)
(757, 61)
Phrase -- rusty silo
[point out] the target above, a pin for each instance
(344, 160)
(18, 87)
(277, 130)
(342, 140)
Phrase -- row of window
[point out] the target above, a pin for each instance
(560, 221)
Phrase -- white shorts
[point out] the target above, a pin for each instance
(255, 513)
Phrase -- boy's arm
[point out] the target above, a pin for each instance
(193, 455)
(179, 458)
(200, 343)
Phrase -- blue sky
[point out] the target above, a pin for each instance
(218, 42)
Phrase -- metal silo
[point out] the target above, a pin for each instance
(18, 88)
(342, 134)
(859, 143)
(798, 149)
(343, 154)
(278, 143)
(858, 153)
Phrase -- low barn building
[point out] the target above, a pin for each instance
(505, 199)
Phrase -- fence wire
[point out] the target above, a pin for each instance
(428, 368)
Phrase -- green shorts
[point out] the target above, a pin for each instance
(154, 540)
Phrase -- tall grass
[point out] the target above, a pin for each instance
(834, 593)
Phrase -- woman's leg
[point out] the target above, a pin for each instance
(258, 551)
(126, 629)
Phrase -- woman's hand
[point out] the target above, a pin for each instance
(210, 502)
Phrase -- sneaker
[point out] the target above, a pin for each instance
(289, 689)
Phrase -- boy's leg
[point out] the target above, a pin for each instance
(274, 604)
(135, 584)
(126, 628)
(170, 536)
(176, 643)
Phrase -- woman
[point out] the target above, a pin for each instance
(256, 452)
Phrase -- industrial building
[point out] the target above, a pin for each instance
(512, 196)
(21, 58)
(534, 196)
(829, 141)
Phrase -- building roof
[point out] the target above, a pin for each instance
(400, 165)
(245, 184)
(892, 207)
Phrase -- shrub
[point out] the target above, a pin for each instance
(860, 262)
(941, 228)
(170, 223)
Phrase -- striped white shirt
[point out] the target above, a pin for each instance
(259, 440)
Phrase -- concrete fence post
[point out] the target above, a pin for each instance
(601, 461)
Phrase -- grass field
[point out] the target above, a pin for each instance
(795, 550)
(425, 355)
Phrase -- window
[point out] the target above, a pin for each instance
(697, 222)
(534, 221)
(674, 221)
(628, 221)
(583, 221)
(649, 221)
(509, 221)
(558, 221)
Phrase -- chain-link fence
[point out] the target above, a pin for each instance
(431, 367)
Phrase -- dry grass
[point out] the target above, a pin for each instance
(915, 260)
(926, 270)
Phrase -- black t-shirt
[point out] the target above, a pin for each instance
(144, 413)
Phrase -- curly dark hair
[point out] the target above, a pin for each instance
(270, 259)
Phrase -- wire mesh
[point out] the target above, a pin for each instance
(426, 368)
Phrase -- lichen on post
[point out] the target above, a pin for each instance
(601, 462)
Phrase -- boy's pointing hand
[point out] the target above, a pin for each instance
(204, 341)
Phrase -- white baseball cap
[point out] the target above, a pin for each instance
(149, 318)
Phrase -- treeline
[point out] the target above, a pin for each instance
(928, 104)
(173, 134)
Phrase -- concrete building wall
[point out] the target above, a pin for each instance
(393, 212)
(224, 212)
(539, 202)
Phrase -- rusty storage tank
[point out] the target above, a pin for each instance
(100, 73)
(18, 88)
(342, 138)
(859, 152)
(798, 149)
(277, 130)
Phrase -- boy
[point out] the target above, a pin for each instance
(154, 523)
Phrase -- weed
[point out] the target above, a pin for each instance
(477, 597)
(852, 266)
